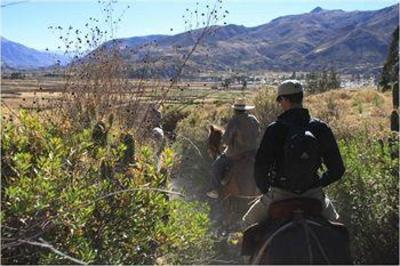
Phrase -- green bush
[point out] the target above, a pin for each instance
(367, 198)
(89, 203)
(188, 221)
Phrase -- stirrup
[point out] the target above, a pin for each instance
(224, 181)
(213, 194)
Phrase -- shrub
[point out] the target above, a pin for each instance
(267, 110)
(171, 117)
(188, 221)
(86, 201)
(367, 197)
(351, 112)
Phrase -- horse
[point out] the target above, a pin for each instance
(296, 233)
(214, 141)
(241, 188)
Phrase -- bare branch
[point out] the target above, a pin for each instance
(45, 244)
(194, 145)
(13, 3)
(133, 190)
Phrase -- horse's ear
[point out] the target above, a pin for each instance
(211, 128)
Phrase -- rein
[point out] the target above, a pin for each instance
(266, 243)
(320, 247)
(254, 198)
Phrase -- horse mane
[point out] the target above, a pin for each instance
(214, 128)
(214, 141)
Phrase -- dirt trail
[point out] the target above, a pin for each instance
(227, 242)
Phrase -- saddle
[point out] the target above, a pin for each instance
(285, 209)
(280, 213)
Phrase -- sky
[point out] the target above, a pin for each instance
(27, 22)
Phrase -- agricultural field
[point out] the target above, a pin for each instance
(38, 93)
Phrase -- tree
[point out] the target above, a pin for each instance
(333, 79)
(390, 78)
(322, 81)
(242, 79)
(312, 82)
(17, 75)
(390, 70)
(226, 83)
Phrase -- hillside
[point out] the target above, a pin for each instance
(352, 42)
(18, 56)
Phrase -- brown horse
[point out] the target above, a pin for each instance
(214, 141)
(241, 188)
(297, 234)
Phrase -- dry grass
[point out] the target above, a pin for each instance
(346, 110)
(350, 111)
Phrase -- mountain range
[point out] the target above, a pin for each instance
(351, 42)
(17, 56)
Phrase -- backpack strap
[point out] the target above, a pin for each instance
(291, 127)
(307, 126)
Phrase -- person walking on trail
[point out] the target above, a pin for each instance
(290, 154)
(241, 140)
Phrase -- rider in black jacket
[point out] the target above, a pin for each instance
(268, 164)
(268, 172)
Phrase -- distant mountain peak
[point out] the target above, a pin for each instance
(354, 41)
(18, 56)
(3, 39)
(317, 10)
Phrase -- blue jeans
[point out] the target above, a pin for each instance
(219, 169)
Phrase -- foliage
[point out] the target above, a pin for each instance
(226, 83)
(94, 190)
(171, 116)
(390, 78)
(390, 71)
(367, 197)
(88, 202)
(187, 221)
(322, 81)
(17, 75)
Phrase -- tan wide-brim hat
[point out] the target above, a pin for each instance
(240, 104)
(290, 86)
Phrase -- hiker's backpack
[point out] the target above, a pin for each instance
(301, 158)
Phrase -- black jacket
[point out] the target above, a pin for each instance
(269, 158)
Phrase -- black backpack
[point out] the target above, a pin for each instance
(301, 158)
